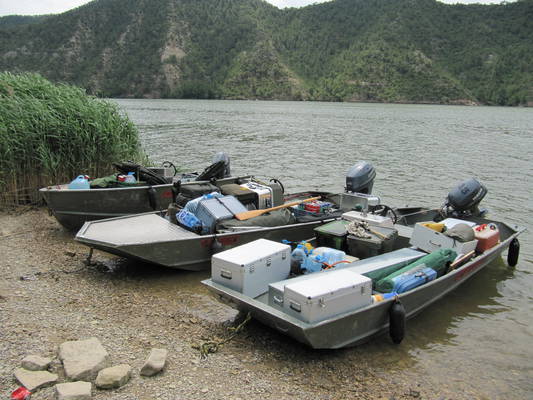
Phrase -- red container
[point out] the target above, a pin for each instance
(313, 207)
(21, 394)
(487, 236)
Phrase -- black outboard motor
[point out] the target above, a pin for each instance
(465, 198)
(360, 178)
(221, 156)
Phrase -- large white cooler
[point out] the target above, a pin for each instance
(327, 295)
(250, 268)
(430, 240)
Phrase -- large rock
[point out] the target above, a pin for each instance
(74, 391)
(155, 362)
(83, 359)
(113, 377)
(32, 380)
(35, 363)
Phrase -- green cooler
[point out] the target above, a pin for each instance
(333, 234)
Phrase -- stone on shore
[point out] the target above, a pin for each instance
(74, 391)
(113, 377)
(155, 362)
(83, 359)
(32, 380)
(36, 363)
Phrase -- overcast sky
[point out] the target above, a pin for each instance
(34, 7)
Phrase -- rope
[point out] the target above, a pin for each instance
(212, 346)
(359, 229)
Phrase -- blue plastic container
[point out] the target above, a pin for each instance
(413, 278)
(189, 221)
(81, 182)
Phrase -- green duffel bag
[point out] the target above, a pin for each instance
(110, 182)
(438, 260)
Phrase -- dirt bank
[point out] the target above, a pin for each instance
(48, 296)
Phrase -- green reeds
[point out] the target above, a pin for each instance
(50, 133)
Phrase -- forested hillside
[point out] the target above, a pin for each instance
(344, 50)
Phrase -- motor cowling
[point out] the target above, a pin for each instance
(465, 198)
(360, 178)
(221, 156)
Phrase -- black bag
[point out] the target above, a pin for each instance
(194, 190)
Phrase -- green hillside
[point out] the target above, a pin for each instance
(344, 50)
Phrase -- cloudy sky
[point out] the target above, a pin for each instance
(33, 7)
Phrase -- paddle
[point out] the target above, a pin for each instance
(255, 213)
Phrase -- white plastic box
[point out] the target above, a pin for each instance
(327, 295)
(429, 240)
(250, 268)
(371, 219)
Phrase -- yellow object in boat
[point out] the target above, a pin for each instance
(433, 225)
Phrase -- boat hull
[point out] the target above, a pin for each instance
(72, 208)
(355, 327)
(151, 238)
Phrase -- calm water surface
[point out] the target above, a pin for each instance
(477, 341)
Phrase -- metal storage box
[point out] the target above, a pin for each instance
(326, 295)
(211, 211)
(430, 240)
(264, 194)
(276, 290)
(250, 268)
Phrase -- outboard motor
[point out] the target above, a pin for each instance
(465, 198)
(221, 156)
(360, 178)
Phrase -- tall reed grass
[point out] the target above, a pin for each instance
(50, 133)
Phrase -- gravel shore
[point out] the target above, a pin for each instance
(48, 295)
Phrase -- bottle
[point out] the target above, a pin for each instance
(130, 178)
(81, 182)
(298, 256)
(333, 256)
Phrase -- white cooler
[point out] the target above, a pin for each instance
(371, 219)
(250, 268)
(329, 294)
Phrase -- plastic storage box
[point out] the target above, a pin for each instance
(211, 211)
(333, 234)
(327, 295)
(429, 240)
(371, 219)
(250, 268)
(376, 244)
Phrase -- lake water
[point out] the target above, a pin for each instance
(477, 342)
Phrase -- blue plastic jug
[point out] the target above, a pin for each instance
(130, 178)
(298, 256)
(81, 182)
